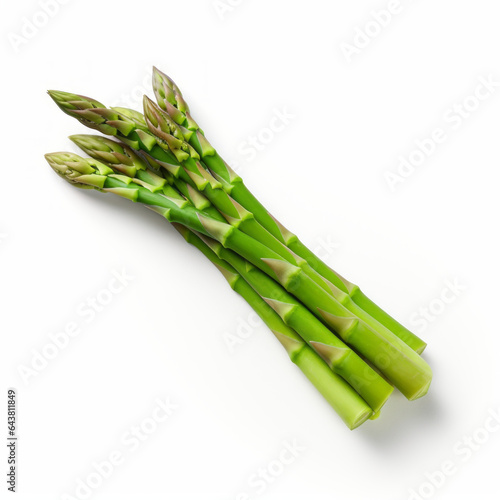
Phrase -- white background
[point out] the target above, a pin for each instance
(323, 175)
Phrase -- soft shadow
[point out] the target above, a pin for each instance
(400, 418)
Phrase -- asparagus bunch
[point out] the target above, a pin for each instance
(164, 162)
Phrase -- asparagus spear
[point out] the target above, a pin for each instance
(402, 366)
(339, 357)
(344, 400)
(96, 146)
(371, 387)
(101, 148)
(170, 99)
(164, 141)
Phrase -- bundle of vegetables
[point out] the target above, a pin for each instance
(348, 347)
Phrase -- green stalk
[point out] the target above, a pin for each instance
(162, 128)
(342, 360)
(94, 174)
(358, 297)
(402, 366)
(342, 398)
(170, 99)
(104, 149)
(399, 363)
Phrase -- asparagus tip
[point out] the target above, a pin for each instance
(68, 100)
(85, 173)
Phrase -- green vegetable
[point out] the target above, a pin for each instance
(402, 366)
(171, 100)
(341, 396)
(349, 348)
(373, 388)
(399, 363)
